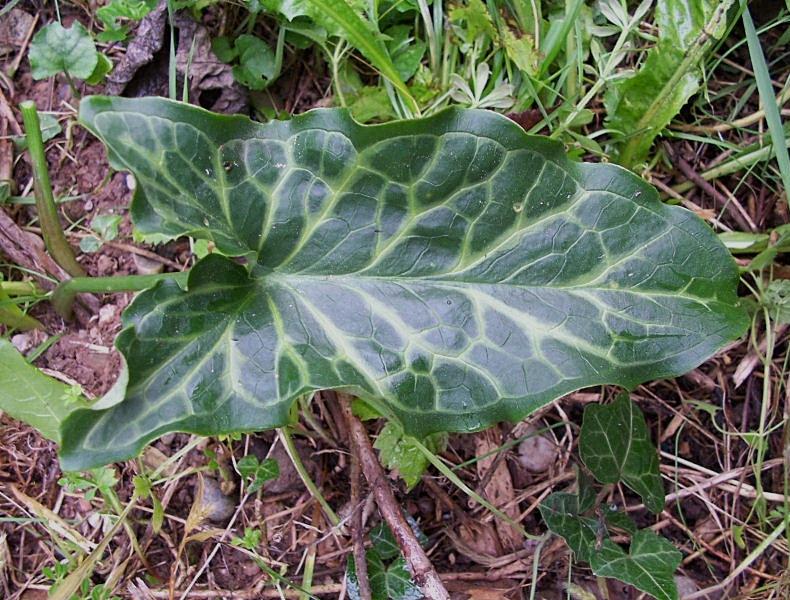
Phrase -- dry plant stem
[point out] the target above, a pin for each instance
(360, 560)
(54, 239)
(425, 576)
(723, 202)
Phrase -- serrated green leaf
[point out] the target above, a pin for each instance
(57, 49)
(32, 397)
(396, 451)
(453, 271)
(615, 445)
(649, 565)
(563, 516)
(639, 107)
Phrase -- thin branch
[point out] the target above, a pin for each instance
(425, 576)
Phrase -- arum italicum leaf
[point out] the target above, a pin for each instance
(452, 270)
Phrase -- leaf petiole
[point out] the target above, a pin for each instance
(64, 294)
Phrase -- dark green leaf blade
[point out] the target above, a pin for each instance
(454, 271)
(562, 515)
(649, 566)
(615, 445)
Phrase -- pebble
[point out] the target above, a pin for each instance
(216, 506)
(537, 453)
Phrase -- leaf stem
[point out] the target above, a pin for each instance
(63, 296)
(293, 453)
(51, 229)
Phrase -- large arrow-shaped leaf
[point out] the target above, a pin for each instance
(452, 270)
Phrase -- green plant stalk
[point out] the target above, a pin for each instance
(448, 472)
(692, 57)
(290, 447)
(13, 316)
(731, 166)
(21, 288)
(64, 295)
(54, 239)
(600, 82)
(770, 106)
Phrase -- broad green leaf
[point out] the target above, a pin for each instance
(649, 565)
(30, 396)
(57, 49)
(453, 271)
(639, 107)
(563, 516)
(615, 445)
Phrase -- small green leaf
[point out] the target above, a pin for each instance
(30, 396)
(649, 566)
(50, 127)
(405, 50)
(56, 49)
(257, 472)
(561, 513)
(257, 65)
(90, 244)
(224, 49)
(388, 574)
(397, 452)
(615, 445)
(776, 299)
(106, 226)
(103, 67)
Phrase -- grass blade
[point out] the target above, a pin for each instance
(767, 98)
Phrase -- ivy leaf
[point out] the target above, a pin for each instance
(398, 452)
(615, 445)
(388, 574)
(258, 472)
(453, 271)
(30, 396)
(57, 49)
(649, 566)
(562, 515)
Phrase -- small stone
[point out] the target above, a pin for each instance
(216, 506)
(106, 314)
(22, 342)
(537, 453)
(686, 586)
(146, 266)
(131, 183)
